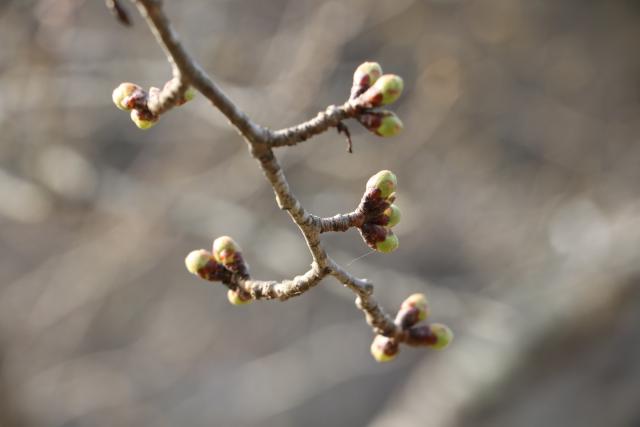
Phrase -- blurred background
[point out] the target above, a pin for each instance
(518, 169)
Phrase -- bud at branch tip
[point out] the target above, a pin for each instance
(384, 349)
(225, 250)
(196, 260)
(385, 181)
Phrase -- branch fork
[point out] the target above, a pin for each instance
(374, 217)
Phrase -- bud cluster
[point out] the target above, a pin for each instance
(221, 265)
(132, 97)
(380, 214)
(371, 89)
(413, 310)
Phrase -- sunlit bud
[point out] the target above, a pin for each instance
(385, 181)
(365, 75)
(392, 215)
(384, 349)
(196, 260)
(444, 335)
(379, 238)
(389, 244)
(143, 119)
(225, 250)
(202, 264)
(407, 317)
(127, 95)
(382, 123)
(436, 335)
(418, 301)
(238, 297)
(385, 91)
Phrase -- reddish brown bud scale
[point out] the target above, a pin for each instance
(382, 123)
(385, 181)
(201, 263)
(384, 349)
(421, 336)
(407, 317)
(365, 75)
(143, 118)
(138, 100)
(386, 90)
(373, 206)
(418, 301)
(379, 238)
(213, 271)
(227, 252)
(373, 234)
(390, 216)
(128, 95)
(436, 335)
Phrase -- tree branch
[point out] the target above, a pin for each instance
(331, 117)
(261, 141)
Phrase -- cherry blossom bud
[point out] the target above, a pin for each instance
(389, 244)
(379, 238)
(225, 250)
(418, 301)
(384, 349)
(436, 335)
(127, 95)
(228, 253)
(391, 216)
(196, 260)
(201, 263)
(382, 123)
(365, 75)
(407, 317)
(238, 297)
(385, 91)
(143, 119)
(385, 181)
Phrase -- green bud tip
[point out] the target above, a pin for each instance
(122, 92)
(384, 349)
(393, 215)
(389, 244)
(444, 335)
(225, 250)
(236, 298)
(365, 75)
(369, 71)
(390, 86)
(196, 260)
(385, 181)
(418, 301)
(189, 94)
(382, 123)
(390, 125)
(142, 120)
